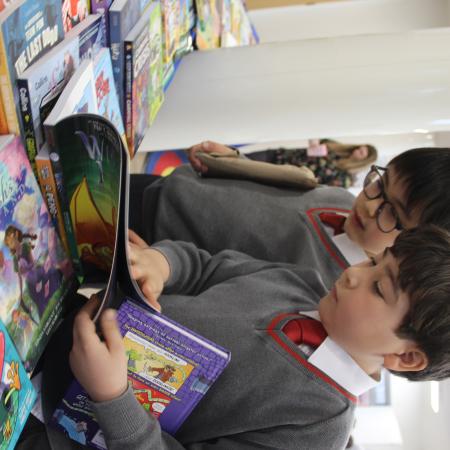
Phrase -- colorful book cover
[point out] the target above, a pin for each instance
(170, 10)
(73, 12)
(123, 15)
(102, 7)
(35, 271)
(138, 75)
(237, 29)
(170, 369)
(89, 169)
(48, 76)
(17, 393)
(208, 27)
(28, 29)
(156, 85)
(164, 162)
(49, 191)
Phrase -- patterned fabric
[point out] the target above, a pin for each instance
(324, 167)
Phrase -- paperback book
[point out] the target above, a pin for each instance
(170, 369)
(35, 273)
(44, 80)
(73, 12)
(16, 392)
(143, 75)
(91, 89)
(123, 15)
(102, 7)
(28, 29)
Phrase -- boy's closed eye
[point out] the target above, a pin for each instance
(377, 288)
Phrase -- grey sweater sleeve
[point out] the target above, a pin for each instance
(193, 270)
(126, 425)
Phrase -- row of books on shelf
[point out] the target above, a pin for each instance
(145, 38)
(39, 278)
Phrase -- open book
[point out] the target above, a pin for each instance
(165, 370)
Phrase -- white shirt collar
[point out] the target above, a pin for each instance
(352, 252)
(335, 362)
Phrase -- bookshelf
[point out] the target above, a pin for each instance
(350, 86)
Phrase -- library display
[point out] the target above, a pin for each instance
(81, 83)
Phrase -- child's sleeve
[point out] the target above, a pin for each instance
(126, 425)
(193, 270)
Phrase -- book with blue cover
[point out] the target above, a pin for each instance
(46, 78)
(123, 15)
(16, 392)
(28, 29)
(35, 272)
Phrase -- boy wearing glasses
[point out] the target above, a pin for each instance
(300, 354)
(325, 228)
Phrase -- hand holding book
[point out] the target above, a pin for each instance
(99, 365)
(149, 268)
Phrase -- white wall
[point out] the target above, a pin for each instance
(348, 18)
(342, 86)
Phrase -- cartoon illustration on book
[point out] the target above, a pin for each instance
(35, 272)
(155, 364)
(16, 393)
(151, 400)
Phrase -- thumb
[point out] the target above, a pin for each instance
(110, 331)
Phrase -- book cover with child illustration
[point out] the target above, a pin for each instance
(35, 272)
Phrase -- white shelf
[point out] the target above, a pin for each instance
(346, 86)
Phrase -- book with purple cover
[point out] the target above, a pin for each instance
(169, 367)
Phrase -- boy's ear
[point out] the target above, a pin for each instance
(411, 360)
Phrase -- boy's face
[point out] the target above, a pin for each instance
(365, 308)
(361, 225)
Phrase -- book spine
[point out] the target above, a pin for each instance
(26, 118)
(3, 122)
(7, 93)
(65, 210)
(117, 54)
(128, 116)
(50, 193)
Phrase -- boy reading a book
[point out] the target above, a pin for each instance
(300, 354)
(325, 228)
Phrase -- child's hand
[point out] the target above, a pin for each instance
(149, 268)
(205, 147)
(99, 366)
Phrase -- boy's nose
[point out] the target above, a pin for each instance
(372, 206)
(351, 277)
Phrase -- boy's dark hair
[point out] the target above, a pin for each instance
(426, 173)
(423, 255)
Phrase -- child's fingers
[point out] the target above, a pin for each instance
(110, 330)
(136, 239)
(83, 329)
(83, 324)
(151, 297)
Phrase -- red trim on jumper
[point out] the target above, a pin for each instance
(341, 263)
(303, 361)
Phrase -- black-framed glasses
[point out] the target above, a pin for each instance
(386, 215)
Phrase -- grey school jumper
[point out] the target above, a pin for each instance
(268, 397)
(270, 223)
